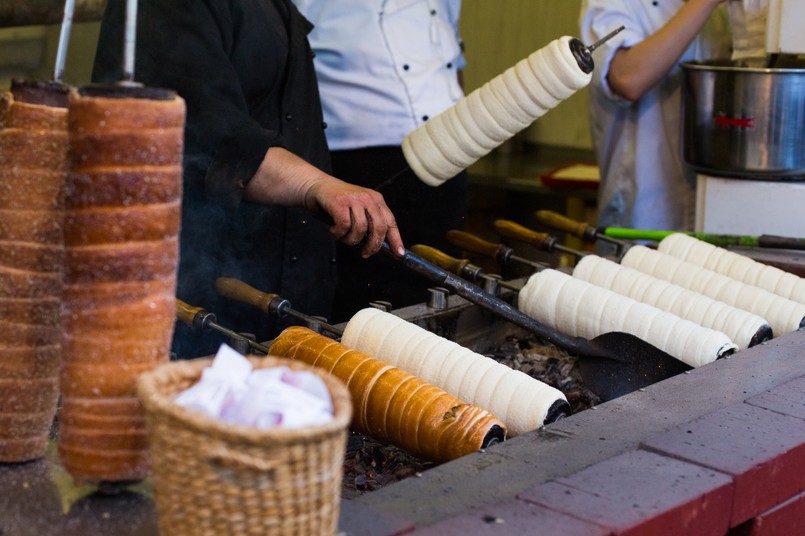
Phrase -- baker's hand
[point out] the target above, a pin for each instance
(360, 215)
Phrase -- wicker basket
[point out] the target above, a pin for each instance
(211, 477)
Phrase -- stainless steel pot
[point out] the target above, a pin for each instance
(744, 122)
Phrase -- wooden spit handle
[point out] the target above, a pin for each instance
(500, 252)
(236, 289)
(186, 312)
(582, 230)
(559, 222)
(441, 259)
(460, 267)
(514, 230)
(202, 320)
(470, 242)
(268, 303)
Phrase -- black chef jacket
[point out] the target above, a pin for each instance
(245, 71)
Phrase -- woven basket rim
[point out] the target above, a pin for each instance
(151, 387)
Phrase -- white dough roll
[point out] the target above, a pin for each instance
(580, 309)
(442, 135)
(509, 100)
(469, 129)
(742, 327)
(487, 389)
(489, 125)
(509, 394)
(553, 91)
(563, 63)
(431, 368)
(474, 377)
(494, 112)
(782, 314)
(371, 337)
(506, 389)
(456, 376)
(533, 86)
(510, 120)
(734, 265)
(412, 357)
(510, 84)
(458, 135)
(399, 336)
(425, 157)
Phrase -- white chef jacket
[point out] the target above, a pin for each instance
(384, 66)
(644, 183)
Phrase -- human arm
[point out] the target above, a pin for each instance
(635, 70)
(359, 215)
(239, 124)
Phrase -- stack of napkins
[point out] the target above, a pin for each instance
(230, 390)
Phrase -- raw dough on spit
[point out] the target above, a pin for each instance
(496, 387)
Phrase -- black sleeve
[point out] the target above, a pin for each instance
(192, 47)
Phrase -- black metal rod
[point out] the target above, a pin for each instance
(538, 266)
(604, 39)
(472, 293)
(285, 309)
(234, 336)
(501, 282)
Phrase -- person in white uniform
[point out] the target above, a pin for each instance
(635, 104)
(384, 68)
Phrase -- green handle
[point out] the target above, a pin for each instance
(715, 239)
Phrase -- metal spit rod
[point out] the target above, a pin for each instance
(203, 321)
(283, 308)
(268, 303)
(584, 53)
(581, 230)
(64, 39)
(472, 293)
(460, 267)
(543, 241)
(499, 252)
(129, 42)
(604, 39)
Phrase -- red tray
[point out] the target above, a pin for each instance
(573, 176)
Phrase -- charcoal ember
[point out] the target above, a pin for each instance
(549, 364)
(370, 465)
